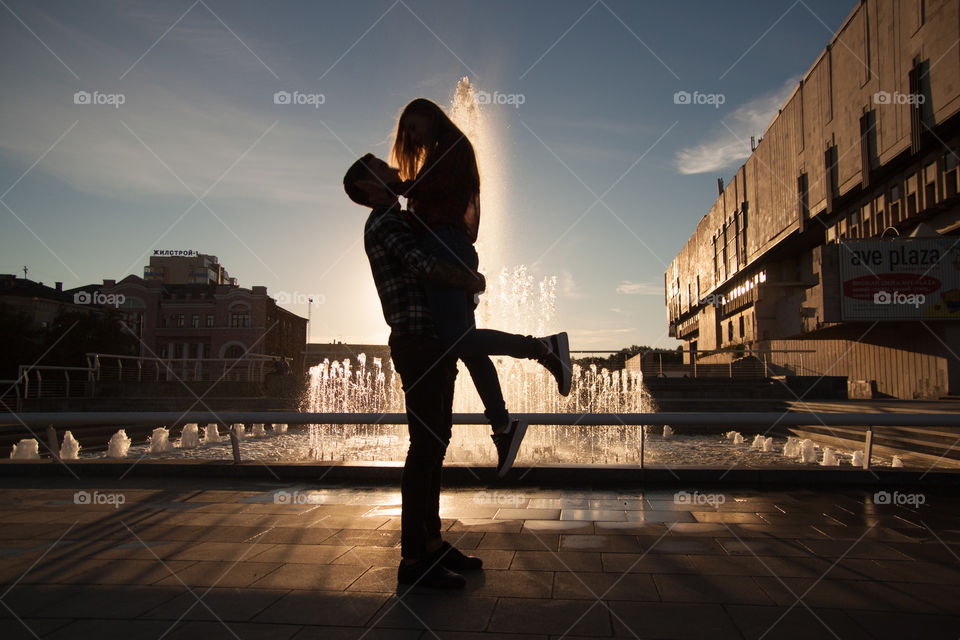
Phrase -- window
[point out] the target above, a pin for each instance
(195, 321)
(209, 320)
(178, 320)
(239, 319)
(741, 326)
(730, 331)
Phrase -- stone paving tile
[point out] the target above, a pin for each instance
(676, 545)
(232, 631)
(290, 535)
(608, 586)
(673, 620)
(659, 516)
(326, 577)
(532, 514)
(221, 551)
(113, 602)
(311, 553)
(612, 543)
(106, 572)
(550, 616)
(730, 517)
(322, 607)
(718, 589)
(515, 583)
(435, 612)
(566, 526)
(557, 561)
(607, 515)
(897, 625)
(521, 541)
(846, 594)
(358, 633)
(28, 629)
(862, 549)
(221, 574)
(650, 529)
(99, 629)
(798, 623)
(216, 604)
(646, 563)
(486, 525)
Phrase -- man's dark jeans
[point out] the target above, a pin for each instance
(428, 377)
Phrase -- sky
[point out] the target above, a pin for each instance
(135, 126)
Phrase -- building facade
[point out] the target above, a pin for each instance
(866, 148)
(188, 307)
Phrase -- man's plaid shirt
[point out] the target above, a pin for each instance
(398, 263)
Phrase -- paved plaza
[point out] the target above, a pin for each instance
(222, 558)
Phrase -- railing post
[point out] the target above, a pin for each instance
(235, 445)
(643, 437)
(52, 443)
(139, 370)
(868, 448)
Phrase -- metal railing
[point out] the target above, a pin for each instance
(121, 368)
(52, 420)
(10, 394)
(764, 365)
(52, 381)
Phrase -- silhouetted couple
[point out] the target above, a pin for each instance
(424, 267)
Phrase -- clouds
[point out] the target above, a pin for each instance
(731, 143)
(629, 288)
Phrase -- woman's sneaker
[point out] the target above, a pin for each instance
(557, 360)
(508, 444)
(429, 573)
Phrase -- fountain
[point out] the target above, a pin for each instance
(189, 437)
(258, 431)
(26, 449)
(69, 448)
(829, 458)
(118, 445)
(159, 440)
(211, 434)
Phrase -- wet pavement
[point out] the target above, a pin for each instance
(212, 558)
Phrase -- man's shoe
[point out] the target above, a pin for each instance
(453, 559)
(508, 444)
(557, 360)
(429, 573)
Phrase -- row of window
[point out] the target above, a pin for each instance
(238, 320)
(900, 202)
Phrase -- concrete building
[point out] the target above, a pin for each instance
(175, 266)
(790, 256)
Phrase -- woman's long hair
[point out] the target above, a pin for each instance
(448, 143)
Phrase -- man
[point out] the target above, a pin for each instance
(426, 370)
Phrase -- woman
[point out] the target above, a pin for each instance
(442, 185)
